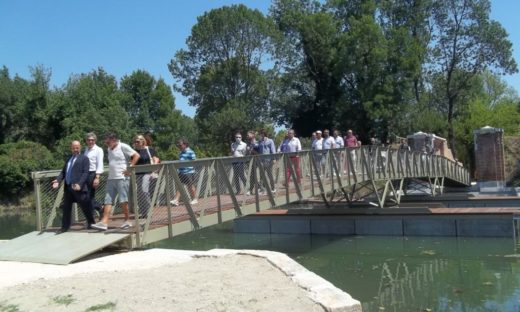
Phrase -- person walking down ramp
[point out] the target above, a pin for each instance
(75, 173)
(120, 156)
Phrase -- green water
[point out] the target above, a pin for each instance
(384, 273)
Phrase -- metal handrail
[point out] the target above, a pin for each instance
(228, 187)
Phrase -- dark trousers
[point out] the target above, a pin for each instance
(94, 205)
(238, 175)
(82, 199)
(268, 167)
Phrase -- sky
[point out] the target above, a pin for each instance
(121, 36)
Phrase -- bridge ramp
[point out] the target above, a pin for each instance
(52, 248)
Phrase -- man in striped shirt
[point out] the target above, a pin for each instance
(186, 174)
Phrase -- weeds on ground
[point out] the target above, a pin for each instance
(64, 300)
(5, 307)
(102, 307)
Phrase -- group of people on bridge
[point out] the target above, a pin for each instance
(82, 171)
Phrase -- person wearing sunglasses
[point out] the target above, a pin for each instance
(238, 149)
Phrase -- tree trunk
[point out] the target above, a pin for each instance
(451, 132)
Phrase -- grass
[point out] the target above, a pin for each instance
(64, 300)
(102, 307)
(5, 307)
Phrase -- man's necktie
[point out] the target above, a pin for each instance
(68, 174)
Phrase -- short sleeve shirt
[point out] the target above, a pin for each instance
(145, 157)
(328, 143)
(239, 149)
(187, 154)
(339, 142)
(118, 160)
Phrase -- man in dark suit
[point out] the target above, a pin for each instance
(75, 175)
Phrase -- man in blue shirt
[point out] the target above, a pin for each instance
(186, 174)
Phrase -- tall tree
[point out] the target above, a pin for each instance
(225, 69)
(465, 42)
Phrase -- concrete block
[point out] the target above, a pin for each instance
(290, 226)
(485, 227)
(429, 227)
(393, 227)
(251, 225)
(333, 226)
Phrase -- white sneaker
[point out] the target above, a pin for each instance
(127, 224)
(174, 202)
(248, 193)
(194, 202)
(100, 226)
(273, 191)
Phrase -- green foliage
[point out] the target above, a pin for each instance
(64, 300)
(109, 306)
(222, 73)
(17, 161)
(465, 43)
(6, 307)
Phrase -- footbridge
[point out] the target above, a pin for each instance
(227, 188)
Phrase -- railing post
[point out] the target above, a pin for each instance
(37, 190)
(133, 206)
(217, 178)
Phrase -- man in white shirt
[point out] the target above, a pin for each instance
(292, 144)
(328, 143)
(317, 147)
(95, 155)
(120, 156)
(340, 143)
(338, 139)
(238, 149)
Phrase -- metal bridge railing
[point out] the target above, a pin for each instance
(224, 186)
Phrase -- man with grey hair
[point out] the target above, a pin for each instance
(95, 155)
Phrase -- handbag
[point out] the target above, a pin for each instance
(153, 175)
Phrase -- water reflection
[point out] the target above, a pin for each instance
(14, 224)
(393, 273)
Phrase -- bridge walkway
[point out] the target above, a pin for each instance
(229, 188)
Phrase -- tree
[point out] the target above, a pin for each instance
(17, 161)
(465, 43)
(225, 68)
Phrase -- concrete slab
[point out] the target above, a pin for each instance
(429, 227)
(252, 225)
(368, 226)
(333, 226)
(290, 226)
(485, 227)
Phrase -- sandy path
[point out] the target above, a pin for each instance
(151, 281)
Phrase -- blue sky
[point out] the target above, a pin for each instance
(72, 36)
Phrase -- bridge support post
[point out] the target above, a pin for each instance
(318, 178)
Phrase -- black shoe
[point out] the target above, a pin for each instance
(60, 231)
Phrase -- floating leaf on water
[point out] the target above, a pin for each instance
(428, 252)
(427, 310)
(487, 284)
(381, 308)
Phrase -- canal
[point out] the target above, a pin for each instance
(384, 273)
